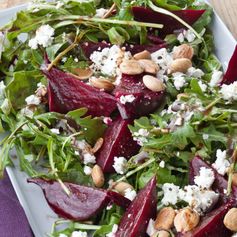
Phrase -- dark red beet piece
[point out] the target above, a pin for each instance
(135, 220)
(212, 224)
(220, 183)
(82, 203)
(231, 73)
(170, 24)
(146, 101)
(118, 141)
(67, 93)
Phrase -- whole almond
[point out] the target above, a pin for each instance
(230, 220)
(183, 51)
(83, 74)
(97, 145)
(149, 66)
(131, 67)
(180, 65)
(101, 84)
(165, 218)
(97, 176)
(142, 55)
(153, 83)
(120, 187)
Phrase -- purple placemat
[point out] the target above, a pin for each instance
(13, 221)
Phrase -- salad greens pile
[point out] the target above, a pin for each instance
(206, 121)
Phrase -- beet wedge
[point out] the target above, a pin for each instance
(83, 202)
(118, 142)
(212, 224)
(135, 220)
(170, 24)
(231, 73)
(67, 93)
(146, 101)
(220, 184)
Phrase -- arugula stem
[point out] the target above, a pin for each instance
(86, 226)
(231, 171)
(212, 103)
(110, 11)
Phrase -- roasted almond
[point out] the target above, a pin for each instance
(83, 74)
(97, 176)
(97, 145)
(120, 187)
(131, 67)
(165, 218)
(142, 55)
(153, 83)
(183, 51)
(101, 84)
(180, 65)
(149, 66)
(230, 220)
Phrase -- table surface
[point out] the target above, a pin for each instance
(227, 9)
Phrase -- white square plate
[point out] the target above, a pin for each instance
(39, 215)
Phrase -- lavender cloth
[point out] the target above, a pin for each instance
(13, 221)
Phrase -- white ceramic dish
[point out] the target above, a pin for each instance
(30, 196)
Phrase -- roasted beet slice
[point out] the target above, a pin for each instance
(118, 141)
(231, 73)
(212, 224)
(135, 220)
(170, 24)
(146, 101)
(67, 93)
(83, 202)
(220, 183)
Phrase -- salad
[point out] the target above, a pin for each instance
(121, 112)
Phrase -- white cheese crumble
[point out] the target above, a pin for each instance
(2, 90)
(120, 164)
(130, 194)
(186, 34)
(100, 12)
(27, 112)
(141, 132)
(79, 234)
(2, 43)
(216, 78)
(59, 4)
(195, 72)
(151, 228)
(44, 37)
(6, 106)
(179, 80)
(202, 86)
(205, 136)
(89, 159)
(32, 100)
(62, 235)
(87, 170)
(229, 92)
(113, 232)
(171, 194)
(126, 99)
(162, 164)
(162, 58)
(205, 179)
(55, 131)
(221, 164)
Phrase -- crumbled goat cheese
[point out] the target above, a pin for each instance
(171, 194)
(126, 99)
(179, 80)
(162, 58)
(89, 159)
(180, 37)
(216, 78)
(141, 132)
(100, 12)
(32, 100)
(107, 120)
(202, 86)
(79, 234)
(62, 235)
(205, 179)
(55, 130)
(151, 228)
(113, 232)
(221, 164)
(6, 106)
(229, 92)
(186, 34)
(2, 43)
(130, 194)
(106, 61)
(120, 164)
(195, 72)
(59, 4)
(44, 37)
(2, 90)
(162, 164)
(27, 112)
(81, 144)
(205, 136)
(87, 170)
(140, 140)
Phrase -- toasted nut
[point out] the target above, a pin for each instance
(153, 83)
(234, 179)
(97, 176)
(183, 51)
(131, 67)
(101, 84)
(121, 187)
(161, 233)
(186, 220)
(149, 66)
(165, 218)
(97, 145)
(83, 74)
(180, 65)
(142, 55)
(230, 220)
